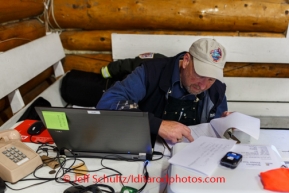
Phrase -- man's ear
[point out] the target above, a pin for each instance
(186, 60)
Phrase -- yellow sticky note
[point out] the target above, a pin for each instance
(55, 120)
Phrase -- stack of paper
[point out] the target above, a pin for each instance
(203, 155)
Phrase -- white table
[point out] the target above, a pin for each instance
(158, 171)
(228, 180)
(132, 171)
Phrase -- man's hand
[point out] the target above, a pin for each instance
(174, 131)
(226, 113)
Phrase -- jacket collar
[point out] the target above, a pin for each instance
(168, 71)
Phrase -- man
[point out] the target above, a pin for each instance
(179, 91)
(119, 69)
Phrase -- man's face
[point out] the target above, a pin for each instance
(194, 83)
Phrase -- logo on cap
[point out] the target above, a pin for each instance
(216, 54)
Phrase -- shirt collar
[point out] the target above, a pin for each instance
(176, 73)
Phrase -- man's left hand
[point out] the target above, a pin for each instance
(226, 113)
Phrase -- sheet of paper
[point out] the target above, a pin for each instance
(245, 123)
(203, 129)
(262, 157)
(278, 138)
(203, 154)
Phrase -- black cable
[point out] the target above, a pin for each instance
(158, 153)
(44, 147)
(145, 172)
(166, 144)
(29, 186)
(119, 173)
(161, 153)
(64, 170)
(40, 166)
(146, 175)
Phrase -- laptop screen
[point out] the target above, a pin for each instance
(97, 133)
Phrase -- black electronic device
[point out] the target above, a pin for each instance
(2, 186)
(231, 160)
(74, 189)
(36, 128)
(99, 133)
(80, 189)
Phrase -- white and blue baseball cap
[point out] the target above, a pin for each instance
(209, 58)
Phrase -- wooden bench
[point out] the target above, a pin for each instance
(21, 64)
(265, 98)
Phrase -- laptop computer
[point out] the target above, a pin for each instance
(99, 133)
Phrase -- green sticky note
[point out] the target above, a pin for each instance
(55, 120)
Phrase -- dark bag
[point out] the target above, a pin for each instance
(83, 88)
(31, 113)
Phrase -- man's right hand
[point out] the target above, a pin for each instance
(174, 131)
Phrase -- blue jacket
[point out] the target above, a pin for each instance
(148, 85)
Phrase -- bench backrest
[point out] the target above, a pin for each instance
(21, 64)
(261, 97)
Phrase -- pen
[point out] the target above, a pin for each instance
(181, 113)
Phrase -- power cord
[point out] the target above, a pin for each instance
(63, 169)
(146, 175)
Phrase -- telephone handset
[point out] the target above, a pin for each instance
(17, 160)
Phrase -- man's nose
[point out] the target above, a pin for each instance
(202, 84)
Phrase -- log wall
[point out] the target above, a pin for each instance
(19, 9)
(86, 28)
(20, 33)
(181, 15)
